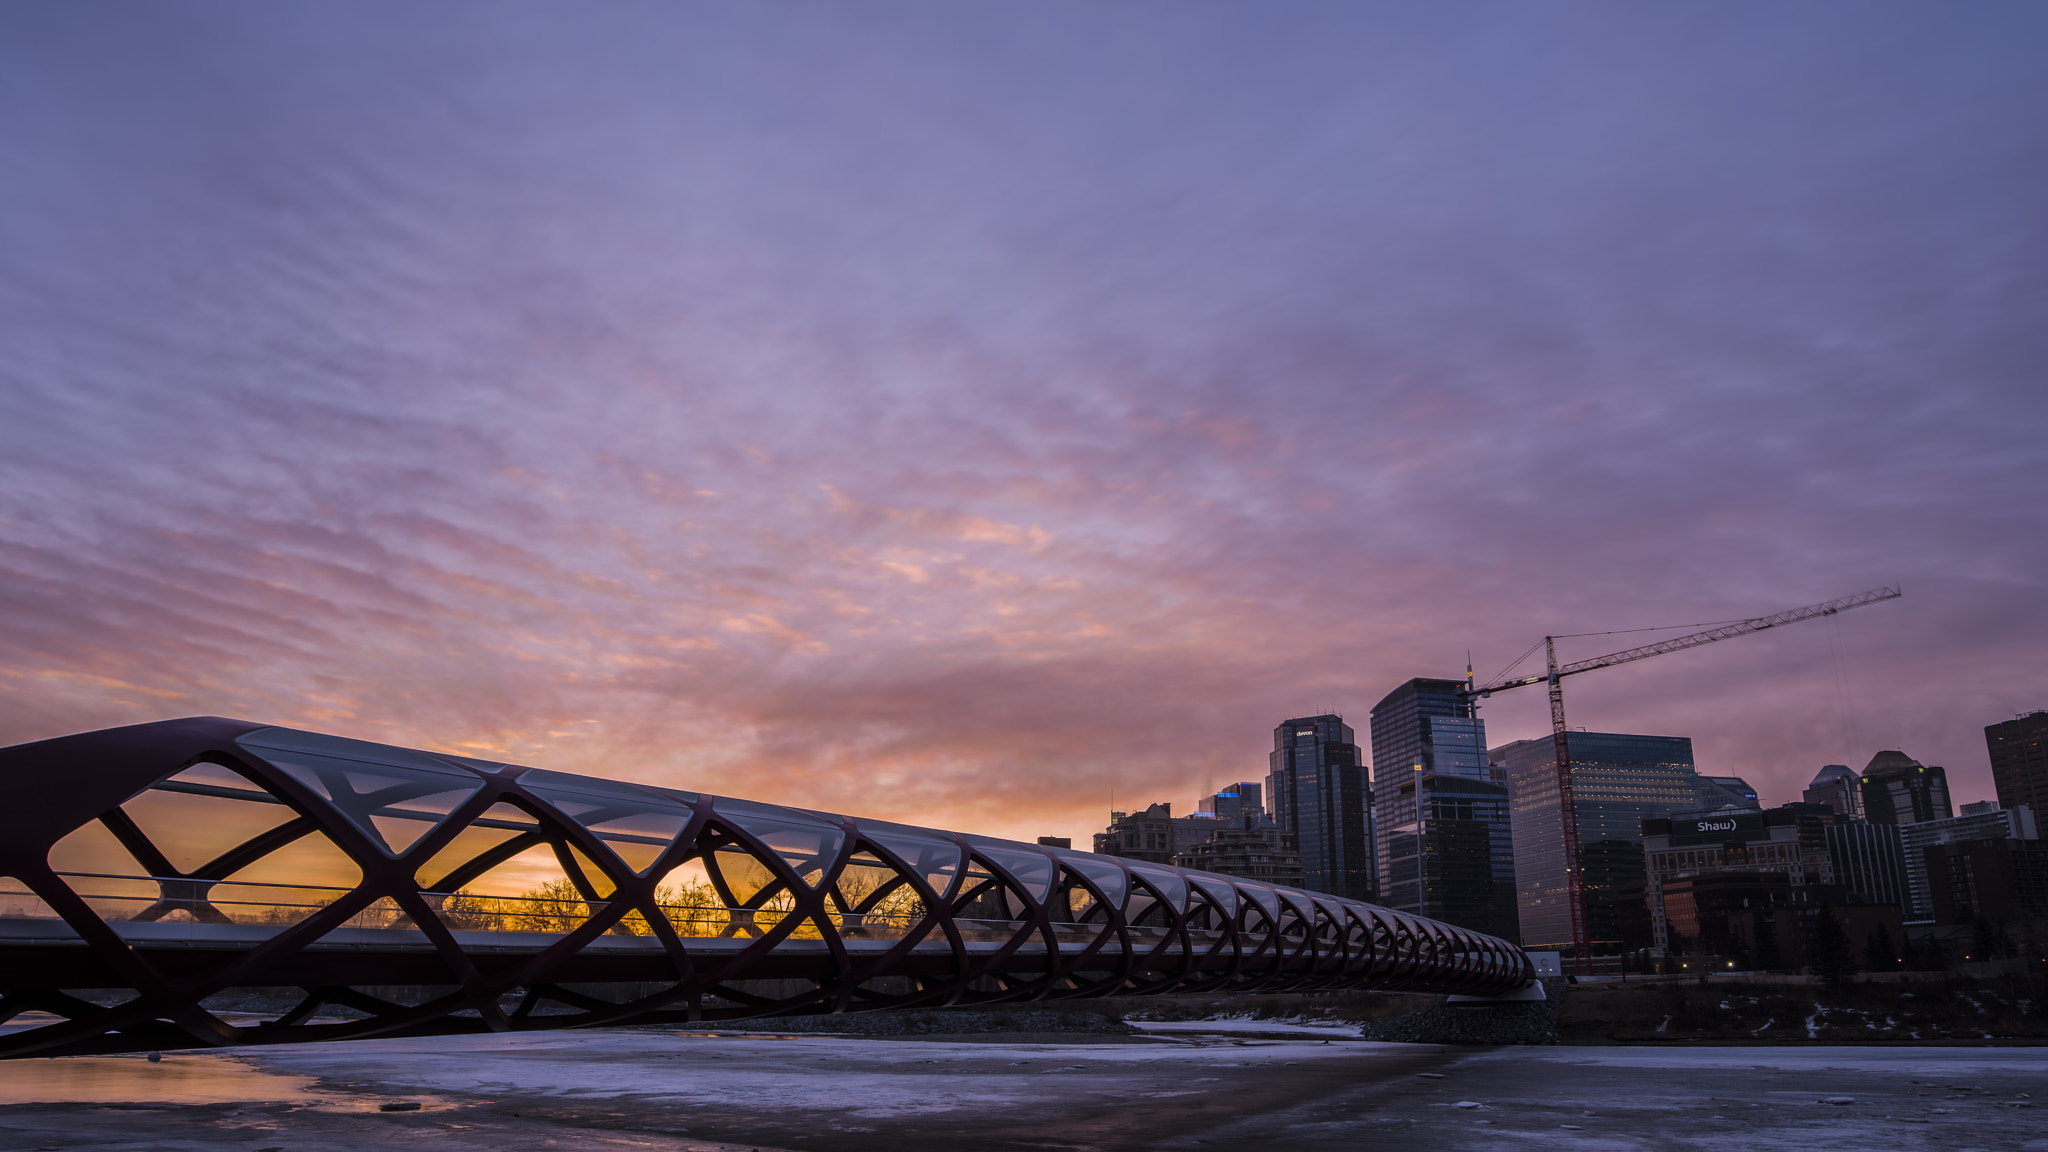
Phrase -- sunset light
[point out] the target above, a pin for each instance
(1168, 463)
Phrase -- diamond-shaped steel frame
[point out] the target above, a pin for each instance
(1002, 926)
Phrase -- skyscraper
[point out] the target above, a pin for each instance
(1727, 792)
(1836, 786)
(1869, 860)
(1897, 789)
(1317, 792)
(1441, 811)
(1618, 781)
(2019, 761)
(1946, 861)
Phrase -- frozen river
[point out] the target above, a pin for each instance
(1188, 1087)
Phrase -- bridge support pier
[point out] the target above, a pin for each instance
(1528, 1016)
(1532, 994)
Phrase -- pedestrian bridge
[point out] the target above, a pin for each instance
(153, 877)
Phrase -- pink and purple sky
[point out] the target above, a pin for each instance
(954, 413)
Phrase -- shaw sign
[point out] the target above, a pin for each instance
(1718, 828)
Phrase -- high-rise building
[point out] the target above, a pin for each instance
(1897, 789)
(1869, 860)
(1999, 881)
(1234, 802)
(2019, 760)
(1440, 810)
(1427, 726)
(1618, 781)
(1317, 792)
(1727, 792)
(1836, 786)
(1617, 895)
(1932, 839)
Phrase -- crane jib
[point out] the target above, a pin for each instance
(1566, 806)
(1694, 640)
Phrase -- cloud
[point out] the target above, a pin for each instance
(956, 419)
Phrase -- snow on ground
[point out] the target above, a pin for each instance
(1739, 1098)
(1307, 1029)
(1844, 1058)
(868, 1078)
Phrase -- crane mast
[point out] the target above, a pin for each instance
(1567, 814)
(1554, 674)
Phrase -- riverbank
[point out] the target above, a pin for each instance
(1901, 1009)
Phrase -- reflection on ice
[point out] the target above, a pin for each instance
(181, 1078)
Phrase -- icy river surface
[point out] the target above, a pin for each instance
(1186, 1087)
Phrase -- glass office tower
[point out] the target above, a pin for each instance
(2019, 761)
(1443, 844)
(1618, 781)
(1317, 791)
(1898, 789)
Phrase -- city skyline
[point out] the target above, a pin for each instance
(953, 416)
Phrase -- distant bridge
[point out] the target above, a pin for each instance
(153, 876)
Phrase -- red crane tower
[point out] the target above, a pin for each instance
(1575, 879)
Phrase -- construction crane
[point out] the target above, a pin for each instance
(1575, 879)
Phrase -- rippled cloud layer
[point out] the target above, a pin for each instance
(956, 417)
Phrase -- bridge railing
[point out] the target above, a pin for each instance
(279, 906)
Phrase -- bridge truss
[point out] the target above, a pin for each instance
(155, 878)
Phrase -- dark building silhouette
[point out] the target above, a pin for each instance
(1157, 835)
(1317, 792)
(1617, 894)
(1764, 920)
(1234, 802)
(1147, 835)
(1797, 925)
(1727, 792)
(2019, 761)
(1979, 824)
(2001, 882)
(1252, 850)
(1836, 786)
(1440, 810)
(1897, 789)
(1056, 841)
(1717, 914)
(1869, 861)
